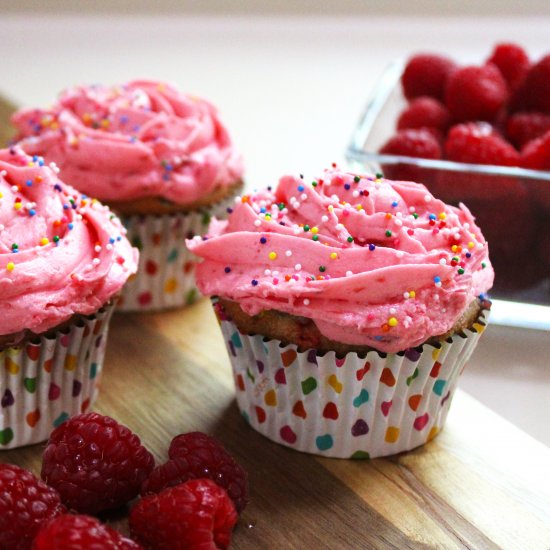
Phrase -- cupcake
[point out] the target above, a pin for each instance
(63, 261)
(349, 306)
(162, 160)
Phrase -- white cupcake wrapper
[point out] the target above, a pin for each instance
(44, 382)
(354, 407)
(166, 271)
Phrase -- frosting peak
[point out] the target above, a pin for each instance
(141, 139)
(61, 253)
(371, 261)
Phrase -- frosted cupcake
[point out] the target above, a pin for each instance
(63, 261)
(349, 305)
(161, 159)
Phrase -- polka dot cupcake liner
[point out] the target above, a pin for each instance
(166, 272)
(45, 381)
(349, 407)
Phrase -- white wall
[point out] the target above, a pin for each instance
(281, 7)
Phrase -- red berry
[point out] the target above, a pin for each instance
(524, 127)
(25, 504)
(476, 93)
(70, 532)
(95, 463)
(536, 154)
(513, 63)
(426, 74)
(419, 143)
(424, 112)
(479, 143)
(194, 514)
(534, 95)
(197, 455)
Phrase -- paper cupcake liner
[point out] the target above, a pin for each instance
(166, 271)
(45, 381)
(353, 407)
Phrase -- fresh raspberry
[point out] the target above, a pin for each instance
(534, 95)
(95, 463)
(524, 127)
(194, 514)
(479, 143)
(197, 455)
(476, 93)
(25, 504)
(424, 112)
(513, 63)
(426, 74)
(476, 143)
(419, 143)
(536, 154)
(68, 532)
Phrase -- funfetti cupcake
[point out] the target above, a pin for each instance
(161, 159)
(349, 305)
(63, 261)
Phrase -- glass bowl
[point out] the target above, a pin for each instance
(511, 205)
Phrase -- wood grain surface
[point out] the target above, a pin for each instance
(481, 484)
(6, 110)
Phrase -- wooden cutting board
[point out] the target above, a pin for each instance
(6, 109)
(481, 484)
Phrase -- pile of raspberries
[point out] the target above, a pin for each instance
(495, 113)
(92, 464)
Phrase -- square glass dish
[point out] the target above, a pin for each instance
(511, 205)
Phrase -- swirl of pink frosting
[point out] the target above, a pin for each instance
(141, 139)
(60, 252)
(370, 261)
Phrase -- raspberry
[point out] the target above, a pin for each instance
(70, 532)
(476, 93)
(426, 74)
(424, 112)
(512, 62)
(524, 127)
(95, 463)
(479, 143)
(536, 154)
(25, 504)
(534, 95)
(419, 143)
(197, 455)
(194, 514)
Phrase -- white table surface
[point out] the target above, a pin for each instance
(291, 90)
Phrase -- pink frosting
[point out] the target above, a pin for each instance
(60, 252)
(370, 261)
(137, 140)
